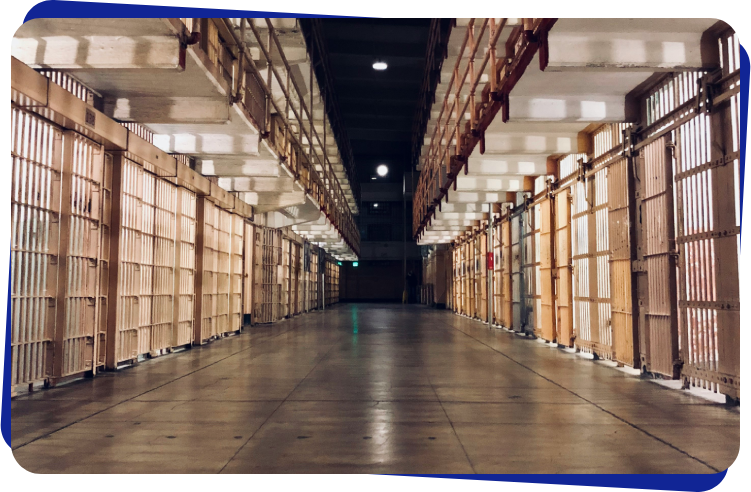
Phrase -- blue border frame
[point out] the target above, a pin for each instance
(697, 483)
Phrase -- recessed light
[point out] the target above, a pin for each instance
(382, 170)
(380, 65)
(375, 205)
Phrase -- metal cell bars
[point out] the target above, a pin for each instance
(129, 264)
(698, 255)
(35, 206)
(518, 317)
(465, 268)
(546, 317)
(620, 261)
(609, 137)
(506, 256)
(677, 90)
(659, 345)
(162, 265)
(298, 278)
(83, 309)
(268, 255)
(497, 274)
(221, 314)
(70, 84)
(458, 279)
(313, 281)
(469, 278)
(563, 261)
(140, 130)
(481, 279)
(186, 201)
(533, 282)
(332, 282)
(210, 283)
(285, 278)
(708, 209)
(591, 266)
(236, 273)
(569, 165)
(730, 49)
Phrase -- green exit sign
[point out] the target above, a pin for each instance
(355, 264)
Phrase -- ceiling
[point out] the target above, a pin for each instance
(378, 107)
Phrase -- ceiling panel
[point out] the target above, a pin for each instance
(378, 108)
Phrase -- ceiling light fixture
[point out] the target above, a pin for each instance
(380, 65)
(382, 170)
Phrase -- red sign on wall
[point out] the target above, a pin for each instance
(490, 261)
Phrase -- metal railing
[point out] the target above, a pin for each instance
(289, 125)
(436, 53)
(455, 136)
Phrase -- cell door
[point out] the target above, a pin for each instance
(591, 267)
(497, 276)
(249, 248)
(507, 311)
(656, 266)
(185, 274)
(472, 280)
(531, 261)
(564, 266)
(237, 247)
(547, 315)
(35, 233)
(620, 262)
(517, 273)
(481, 277)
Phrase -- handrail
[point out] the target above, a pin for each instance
(454, 132)
(331, 196)
(316, 47)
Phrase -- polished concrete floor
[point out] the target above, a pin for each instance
(372, 389)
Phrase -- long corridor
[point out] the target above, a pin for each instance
(372, 389)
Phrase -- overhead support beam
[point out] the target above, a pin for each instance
(265, 202)
(459, 215)
(478, 196)
(438, 223)
(633, 44)
(261, 184)
(568, 108)
(82, 52)
(237, 166)
(150, 110)
(542, 143)
(452, 207)
(507, 165)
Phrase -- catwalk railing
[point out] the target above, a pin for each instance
(289, 125)
(455, 135)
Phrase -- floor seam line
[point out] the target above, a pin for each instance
(453, 429)
(645, 432)
(278, 407)
(148, 391)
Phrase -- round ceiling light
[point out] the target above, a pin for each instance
(380, 65)
(382, 170)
